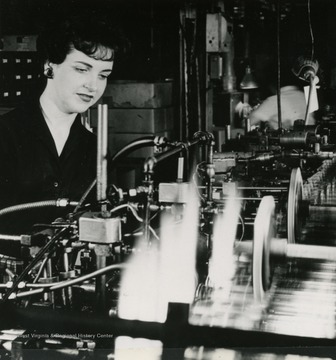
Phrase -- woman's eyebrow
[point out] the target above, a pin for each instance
(83, 63)
(90, 66)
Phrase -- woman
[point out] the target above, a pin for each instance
(45, 151)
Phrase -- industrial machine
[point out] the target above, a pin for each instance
(236, 255)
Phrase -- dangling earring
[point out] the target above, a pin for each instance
(49, 73)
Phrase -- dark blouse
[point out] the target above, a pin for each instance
(31, 170)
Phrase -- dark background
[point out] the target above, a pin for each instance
(156, 30)
(152, 29)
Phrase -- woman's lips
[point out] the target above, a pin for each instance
(85, 98)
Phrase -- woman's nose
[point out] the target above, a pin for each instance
(91, 84)
(90, 87)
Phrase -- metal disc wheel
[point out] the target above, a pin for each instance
(264, 229)
(293, 206)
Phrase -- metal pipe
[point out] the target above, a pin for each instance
(280, 247)
(10, 237)
(102, 138)
(315, 252)
(101, 285)
(311, 86)
(279, 66)
(264, 188)
(153, 160)
(180, 168)
(210, 170)
(38, 204)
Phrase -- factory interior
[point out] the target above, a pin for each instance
(213, 237)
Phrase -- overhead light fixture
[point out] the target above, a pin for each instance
(249, 81)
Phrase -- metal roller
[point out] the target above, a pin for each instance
(264, 230)
(295, 139)
(294, 217)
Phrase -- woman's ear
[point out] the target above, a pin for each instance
(48, 71)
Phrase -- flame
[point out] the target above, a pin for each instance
(178, 253)
(127, 348)
(164, 273)
(140, 287)
(222, 261)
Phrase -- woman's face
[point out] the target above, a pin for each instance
(78, 82)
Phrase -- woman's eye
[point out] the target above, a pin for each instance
(81, 70)
(104, 77)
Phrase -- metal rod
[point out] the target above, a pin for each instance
(210, 171)
(315, 252)
(280, 247)
(264, 188)
(102, 138)
(180, 168)
(10, 237)
(311, 87)
(101, 285)
(240, 198)
(279, 66)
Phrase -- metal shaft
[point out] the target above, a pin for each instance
(102, 146)
(280, 247)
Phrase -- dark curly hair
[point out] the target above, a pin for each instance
(91, 34)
